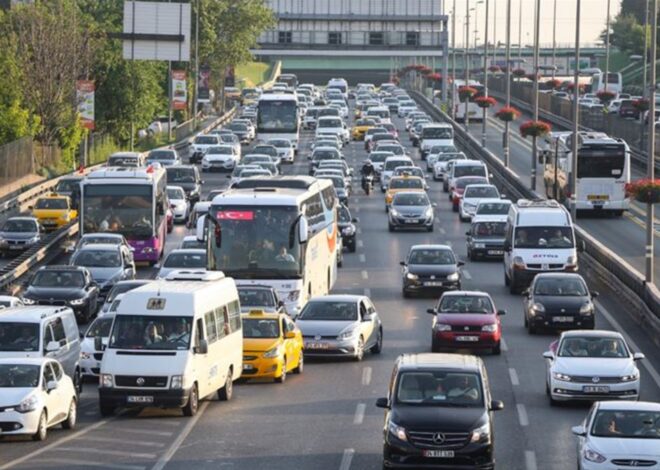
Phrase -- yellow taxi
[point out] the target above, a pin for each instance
(403, 183)
(54, 211)
(361, 127)
(272, 346)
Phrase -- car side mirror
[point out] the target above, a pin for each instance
(368, 317)
(638, 356)
(303, 230)
(30, 207)
(52, 346)
(594, 294)
(383, 403)
(468, 233)
(549, 355)
(290, 335)
(434, 204)
(501, 312)
(579, 430)
(525, 292)
(431, 311)
(228, 176)
(582, 246)
(157, 266)
(355, 220)
(203, 347)
(51, 385)
(496, 405)
(402, 263)
(460, 263)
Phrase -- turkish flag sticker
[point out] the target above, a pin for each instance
(235, 215)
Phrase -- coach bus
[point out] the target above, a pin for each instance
(474, 112)
(278, 117)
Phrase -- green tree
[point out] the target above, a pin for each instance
(627, 34)
(635, 8)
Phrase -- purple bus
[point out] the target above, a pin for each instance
(129, 201)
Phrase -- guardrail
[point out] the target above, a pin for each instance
(627, 282)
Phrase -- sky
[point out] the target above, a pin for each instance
(593, 20)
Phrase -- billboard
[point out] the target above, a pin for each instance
(179, 90)
(203, 85)
(85, 99)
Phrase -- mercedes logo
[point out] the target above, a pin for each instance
(317, 337)
(140, 381)
(466, 328)
(438, 438)
(563, 310)
(595, 379)
(432, 277)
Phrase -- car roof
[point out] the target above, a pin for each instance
(558, 276)
(463, 362)
(629, 405)
(468, 162)
(465, 293)
(36, 361)
(255, 286)
(22, 217)
(191, 251)
(430, 246)
(258, 313)
(103, 234)
(62, 267)
(592, 333)
(99, 247)
(398, 194)
(337, 298)
(30, 314)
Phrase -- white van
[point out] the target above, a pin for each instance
(435, 134)
(381, 112)
(339, 83)
(462, 168)
(42, 331)
(539, 238)
(172, 343)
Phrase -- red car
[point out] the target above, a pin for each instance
(458, 189)
(466, 320)
(170, 220)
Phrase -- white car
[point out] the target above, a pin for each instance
(179, 204)
(619, 434)
(35, 394)
(493, 207)
(591, 365)
(252, 132)
(220, 157)
(90, 358)
(180, 259)
(285, 150)
(235, 176)
(190, 241)
(441, 165)
(406, 107)
(250, 173)
(8, 301)
(474, 193)
(201, 144)
(335, 126)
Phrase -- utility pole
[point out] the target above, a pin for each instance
(453, 61)
(576, 107)
(495, 43)
(196, 97)
(607, 46)
(508, 80)
(650, 164)
(485, 113)
(554, 37)
(466, 118)
(537, 27)
(519, 32)
(646, 46)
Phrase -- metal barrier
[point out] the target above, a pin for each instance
(645, 298)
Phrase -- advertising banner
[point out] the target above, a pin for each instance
(203, 85)
(85, 100)
(179, 90)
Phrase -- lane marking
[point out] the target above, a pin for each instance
(503, 345)
(523, 419)
(365, 275)
(467, 275)
(366, 375)
(442, 231)
(346, 459)
(123, 441)
(148, 431)
(367, 292)
(358, 230)
(121, 453)
(360, 244)
(359, 413)
(645, 363)
(530, 460)
(363, 259)
(513, 375)
(167, 456)
(89, 463)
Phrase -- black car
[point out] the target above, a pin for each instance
(70, 186)
(188, 177)
(439, 413)
(347, 228)
(429, 269)
(486, 238)
(64, 285)
(559, 301)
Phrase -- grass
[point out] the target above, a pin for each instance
(252, 74)
(101, 150)
(153, 141)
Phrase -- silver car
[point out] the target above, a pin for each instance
(108, 264)
(340, 326)
(19, 234)
(182, 259)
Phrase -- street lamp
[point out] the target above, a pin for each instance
(607, 46)
(650, 163)
(453, 60)
(466, 118)
(537, 27)
(576, 107)
(508, 81)
(554, 35)
(484, 119)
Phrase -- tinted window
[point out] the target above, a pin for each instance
(419, 199)
(51, 204)
(261, 328)
(19, 376)
(330, 311)
(100, 327)
(593, 346)
(15, 225)
(570, 286)
(432, 257)
(186, 260)
(439, 388)
(19, 337)
(58, 279)
(465, 304)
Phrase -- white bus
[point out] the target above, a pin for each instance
(278, 117)
(278, 231)
(603, 169)
(172, 343)
(475, 113)
(614, 82)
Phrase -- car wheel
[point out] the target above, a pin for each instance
(71, 418)
(282, 378)
(513, 288)
(78, 382)
(435, 347)
(406, 294)
(301, 364)
(351, 247)
(445, 188)
(497, 350)
(227, 391)
(430, 228)
(359, 353)
(378, 347)
(193, 402)
(531, 329)
(42, 428)
(472, 256)
(391, 227)
(454, 208)
(507, 281)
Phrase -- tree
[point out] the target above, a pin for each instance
(634, 8)
(627, 34)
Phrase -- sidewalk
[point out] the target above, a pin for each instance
(13, 188)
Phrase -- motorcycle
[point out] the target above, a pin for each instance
(367, 184)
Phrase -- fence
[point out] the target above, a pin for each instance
(24, 157)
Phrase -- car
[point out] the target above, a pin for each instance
(18, 234)
(190, 241)
(430, 269)
(270, 167)
(442, 164)
(127, 160)
(342, 190)
(198, 210)
(485, 239)
(231, 139)
(493, 207)
(473, 194)
(458, 189)
(259, 297)
(179, 204)
(411, 171)
(200, 145)
(371, 132)
(103, 238)
(220, 157)
(285, 150)
(618, 434)
(235, 176)
(438, 413)
(72, 286)
(360, 128)
(341, 165)
(346, 225)
(8, 301)
(340, 326)
(435, 151)
(188, 177)
(461, 168)
(403, 183)
(627, 109)
(389, 166)
(242, 131)
(69, 185)
(272, 346)
(108, 264)
(558, 301)
(249, 173)
(182, 259)
(35, 394)
(411, 210)
(322, 153)
(270, 150)
(406, 107)
(333, 125)
(215, 192)
(252, 132)
(90, 357)
(118, 290)
(165, 157)
(591, 365)
(54, 211)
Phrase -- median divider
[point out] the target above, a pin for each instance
(624, 280)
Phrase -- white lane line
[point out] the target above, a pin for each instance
(503, 345)
(121, 453)
(167, 456)
(363, 259)
(514, 377)
(169, 423)
(359, 413)
(366, 375)
(646, 364)
(346, 459)
(358, 230)
(360, 244)
(467, 275)
(88, 463)
(123, 441)
(367, 292)
(365, 275)
(522, 415)
(70, 437)
(530, 460)
(148, 431)
(442, 231)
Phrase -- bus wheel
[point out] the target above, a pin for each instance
(193, 402)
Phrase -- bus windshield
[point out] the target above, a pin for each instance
(256, 242)
(593, 164)
(126, 209)
(277, 116)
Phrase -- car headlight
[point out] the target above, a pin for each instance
(480, 245)
(3, 242)
(394, 212)
(397, 431)
(518, 263)
(77, 301)
(147, 250)
(481, 434)
(492, 328)
(468, 205)
(630, 378)
(412, 276)
(593, 456)
(571, 261)
(33, 240)
(177, 382)
(85, 355)
(562, 377)
(442, 327)
(28, 404)
(429, 212)
(587, 309)
(27, 301)
(453, 277)
(348, 333)
(105, 380)
(274, 352)
(538, 307)
(350, 230)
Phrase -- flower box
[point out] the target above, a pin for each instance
(507, 114)
(485, 101)
(534, 129)
(645, 191)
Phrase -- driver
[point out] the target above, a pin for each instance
(463, 389)
(285, 256)
(179, 333)
(26, 336)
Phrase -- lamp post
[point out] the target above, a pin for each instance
(484, 119)
(453, 61)
(466, 118)
(554, 35)
(520, 30)
(508, 80)
(607, 46)
(646, 47)
(495, 43)
(650, 164)
(196, 93)
(576, 98)
(537, 27)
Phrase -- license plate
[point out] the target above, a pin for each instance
(15, 247)
(596, 389)
(563, 319)
(433, 283)
(598, 197)
(444, 454)
(412, 221)
(470, 339)
(316, 346)
(140, 399)
(495, 252)
(247, 367)
(472, 113)
(545, 267)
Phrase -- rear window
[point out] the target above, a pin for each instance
(392, 164)
(469, 170)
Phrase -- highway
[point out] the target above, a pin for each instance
(326, 418)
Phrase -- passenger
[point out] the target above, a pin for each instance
(463, 389)
(558, 239)
(521, 238)
(151, 335)
(285, 256)
(648, 429)
(611, 349)
(179, 333)
(26, 336)
(575, 350)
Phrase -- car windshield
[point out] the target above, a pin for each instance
(330, 311)
(593, 346)
(571, 286)
(379, 157)
(329, 123)
(409, 171)
(469, 170)
(122, 288)
(14, 225)
(19, 337)
(443, 149)
(219, 151)
(229, 138)
(395, 149)
(280, 143)
(64, 279)
(97, 259)
(325, 155)
(249, 173)
(160, 155)
(261, 328)
(166, 333)
(488, 229)
(429, 256)
(206, 140)
(185, 260)
(51, 204)
(461, 183)
(630, 424)
(406, 183)
(19, 375)
(250, 297)
(100, 327)
(266, 150)
(238, 127)
(445, 157)
(544, 237)
(344, 215)
(410, 200)
(437, 133)
(180, 175)
(439, 388)
(390, 165)
(481, 192)
(493, 208)
(193, 243)
(465, 304)
(175, 193)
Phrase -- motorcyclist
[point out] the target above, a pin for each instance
(367, 170)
